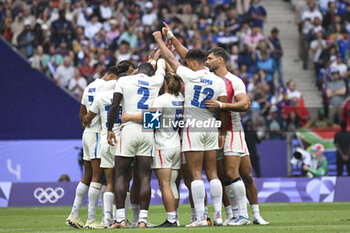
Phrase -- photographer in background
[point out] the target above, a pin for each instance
(314, 163)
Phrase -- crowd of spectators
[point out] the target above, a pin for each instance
(324, 28)
(75, 41)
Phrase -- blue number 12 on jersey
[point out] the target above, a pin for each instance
(197, 90)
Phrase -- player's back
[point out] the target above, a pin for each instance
(139, 91)
(102, 105)
(171, 107)
(200, 86)
(89, 96)
(234, 86)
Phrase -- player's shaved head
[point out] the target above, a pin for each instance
(147, 69)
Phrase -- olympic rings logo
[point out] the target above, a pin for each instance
(48, 195)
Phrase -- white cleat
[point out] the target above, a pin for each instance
(75, 222)
(240, 221)
(93, 224)
(225, 223)
(149, 225)
(197, 223)
(218, 221)
(260, 221)
(107, 223)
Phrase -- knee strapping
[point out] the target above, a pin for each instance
(96, 185)
(232, 181)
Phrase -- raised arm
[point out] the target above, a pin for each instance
(166, 53)
(180, 49)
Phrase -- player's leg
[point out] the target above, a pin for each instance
(177, 200)
(127, 198)
(215, 186)
(80, 193)
(252, 194)
(122, 164)
(225, 200)
(164, 178)
(195, 161)
(235, 190)
(94, 194)
(108, 196)
(187, 176)
(134, 197)
(144, 174)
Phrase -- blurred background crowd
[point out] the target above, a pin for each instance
(75, 41)
(324, 28)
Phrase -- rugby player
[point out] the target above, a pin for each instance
(92, 172)
(200, 145)
(166, 160)
(236, 161)
(137, 92)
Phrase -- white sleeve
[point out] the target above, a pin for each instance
(185, 73)
(95, 104)
(161, 67)
(222, 89)
(239, 87)
(119, 86)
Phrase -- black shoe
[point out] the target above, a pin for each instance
(209, 221)
(168, 224)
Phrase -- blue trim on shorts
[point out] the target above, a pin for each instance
(96, 145)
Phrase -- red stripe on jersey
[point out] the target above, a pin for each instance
(232, 136)
(160, 157)
(230, 96)
(182, 158)
(188, 138)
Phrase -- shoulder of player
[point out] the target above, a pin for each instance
(234, 79)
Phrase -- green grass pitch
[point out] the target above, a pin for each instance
(284, 217)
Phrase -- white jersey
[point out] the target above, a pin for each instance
(87, 100)
(234, 87)
(171, 107)
(101, 107)
(200, 86)
(139, 91)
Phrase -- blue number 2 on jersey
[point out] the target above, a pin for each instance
(197, 90)
(141, 104)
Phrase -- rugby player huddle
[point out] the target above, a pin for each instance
(115, 142)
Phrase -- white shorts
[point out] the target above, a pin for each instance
(199, 141)
(90, 146)
(134, 140)
(167, 158)
(235, 144)
(107, 153)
